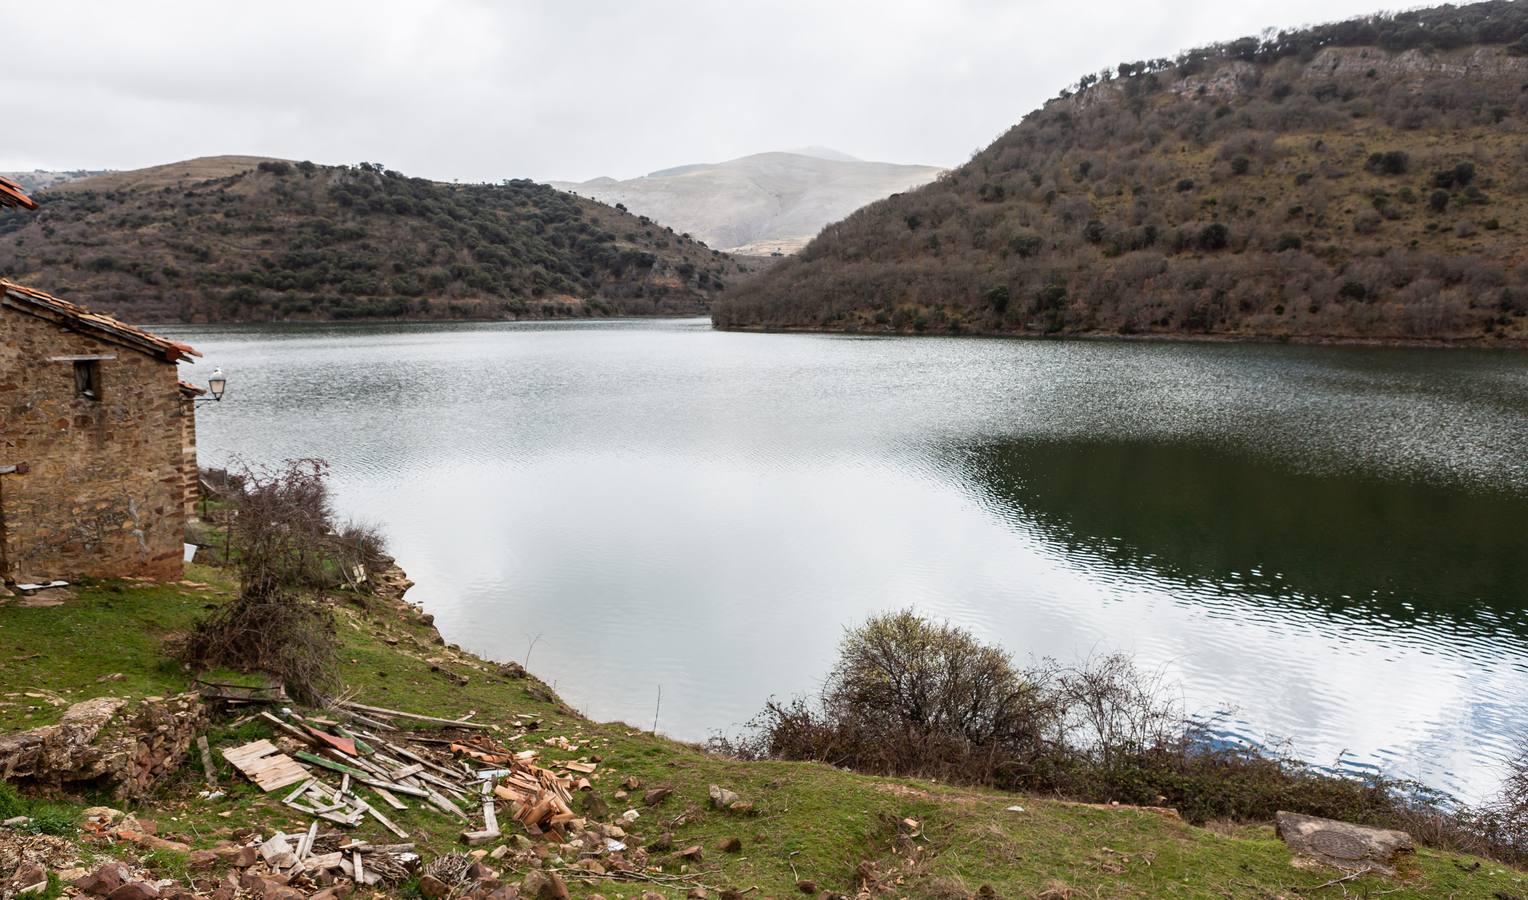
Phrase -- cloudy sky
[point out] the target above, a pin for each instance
(480, 91)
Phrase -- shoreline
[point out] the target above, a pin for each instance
(1512, 344)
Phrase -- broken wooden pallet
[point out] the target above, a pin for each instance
(264, 764)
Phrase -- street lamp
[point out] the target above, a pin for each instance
(215, 386)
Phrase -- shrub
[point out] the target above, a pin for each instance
(1438, 200)
(1214, 236)
(1390, 162)
(282, 546)
(1459, 176)
(997, 299)
(909, 696)
(1025, 245)
(1288, 241)
(1240, 165)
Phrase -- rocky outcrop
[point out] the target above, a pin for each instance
(125, 748)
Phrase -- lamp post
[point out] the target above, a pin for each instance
(216, 385)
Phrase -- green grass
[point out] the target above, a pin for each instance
(809, 821)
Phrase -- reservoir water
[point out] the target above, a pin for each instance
(1326, 547)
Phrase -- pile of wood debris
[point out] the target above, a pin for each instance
(335, 768)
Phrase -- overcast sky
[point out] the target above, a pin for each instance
(482, 91)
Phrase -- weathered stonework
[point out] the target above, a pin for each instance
(105, 494)
(108, 742)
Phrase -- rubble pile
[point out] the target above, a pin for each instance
(108, 742)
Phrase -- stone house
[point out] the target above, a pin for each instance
(92, 411)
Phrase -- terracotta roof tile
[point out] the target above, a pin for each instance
(189, 389)
(11, 195)
(105, 327)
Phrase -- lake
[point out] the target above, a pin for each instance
(1327, 547)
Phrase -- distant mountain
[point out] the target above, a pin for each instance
(1364, 180)
(242, 238)
(758, 204)
(40, 179)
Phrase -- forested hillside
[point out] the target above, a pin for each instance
(248, 239)
(1366, 180)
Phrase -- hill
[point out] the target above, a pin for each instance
(238, 238)
(1366, 180)
(758, 204)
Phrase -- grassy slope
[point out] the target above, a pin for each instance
(810, 820)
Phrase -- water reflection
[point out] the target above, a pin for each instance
(1404, 551)
(1329, 541)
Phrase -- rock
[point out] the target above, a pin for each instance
(721, 798)
(730, 845)
(29, 877)
(549, 886)
(1343, 845)
(806, 887)
(595, 806)
(621, 795)
(105, 879)
(986, 892)
(103, 815)
(731, 894)
(47, 597)
(16, 821)
(662, 843)
(135, 890)
(698, 893)
(201, 859)
(434, 889)
(240, 857)
(479, 872)
(498, 852)
(656, 796)
(692, 853)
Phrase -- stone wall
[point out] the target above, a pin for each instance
(105, 494)
(109, 743)
(190, 474)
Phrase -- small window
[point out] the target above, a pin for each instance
(87, 378)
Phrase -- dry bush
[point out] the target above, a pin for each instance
(914, 697)
(278, 624)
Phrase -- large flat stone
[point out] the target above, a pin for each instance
(1352, 848)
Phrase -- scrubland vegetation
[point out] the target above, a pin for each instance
(910, 696)
(1364, 180)
(278, 240)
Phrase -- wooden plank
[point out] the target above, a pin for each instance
(380, 710)
(386, 823)
(265, 765)
(252, 750)
(388, 798)
(207, 767)
(301, 789)
(289, 728)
